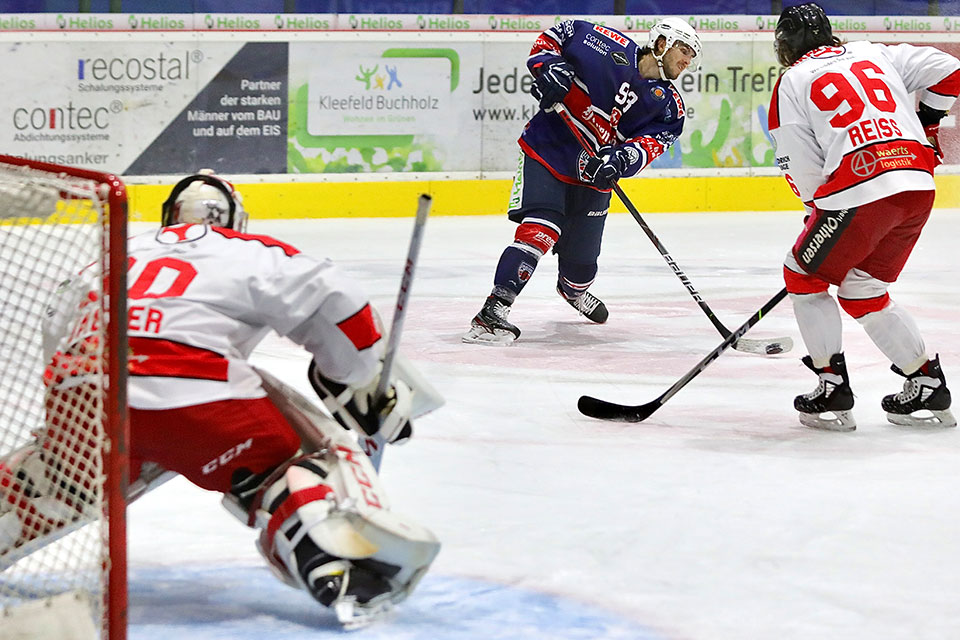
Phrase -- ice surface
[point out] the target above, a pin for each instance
(718, 518)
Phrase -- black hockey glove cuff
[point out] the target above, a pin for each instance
(930, 119)
(929, 115)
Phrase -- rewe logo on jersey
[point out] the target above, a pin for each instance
(613, 35)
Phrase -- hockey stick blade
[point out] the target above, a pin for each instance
(765, 347)
(604, 410)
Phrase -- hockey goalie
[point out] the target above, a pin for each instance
(202, 293)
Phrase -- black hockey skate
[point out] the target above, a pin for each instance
(832, 396)
(490, 326)
(923, 390)
(587, 305)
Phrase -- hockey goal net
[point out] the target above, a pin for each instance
(62, 402)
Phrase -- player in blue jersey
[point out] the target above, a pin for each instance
(623, 103)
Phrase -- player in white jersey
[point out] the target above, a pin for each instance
(852, 147)
(202, 294)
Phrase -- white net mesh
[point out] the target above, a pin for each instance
(52, 387)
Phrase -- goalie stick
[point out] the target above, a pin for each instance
(766, 347)
(603, 410)
(374, 444)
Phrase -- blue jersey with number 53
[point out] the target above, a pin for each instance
(613, 106)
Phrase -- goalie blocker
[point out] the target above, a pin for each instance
(358, 408)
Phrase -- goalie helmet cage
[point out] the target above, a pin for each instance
(66, 538)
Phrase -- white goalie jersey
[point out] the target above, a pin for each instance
(191, 329)
(844, 122)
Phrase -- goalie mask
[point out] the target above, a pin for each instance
(204, 198)
(674, 30)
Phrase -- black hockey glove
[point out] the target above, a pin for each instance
(930, 119)
(553, 82)
(604, 170)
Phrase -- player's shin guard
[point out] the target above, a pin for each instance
(829, 405)
(925, 399)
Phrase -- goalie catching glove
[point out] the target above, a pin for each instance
(357, 408)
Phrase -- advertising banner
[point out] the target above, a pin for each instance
(470, 22)
(344, 104)
(100, 105)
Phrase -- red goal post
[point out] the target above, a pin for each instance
(63, 451)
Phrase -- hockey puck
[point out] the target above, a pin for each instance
(774, 348)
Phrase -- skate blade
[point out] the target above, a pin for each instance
(494, 338)
(353, 615)
(939, 419)
(841, 421)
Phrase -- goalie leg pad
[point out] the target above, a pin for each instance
(326, 528)
(32, 504)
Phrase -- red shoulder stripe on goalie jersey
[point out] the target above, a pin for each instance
(168, 359)
(266, 241)
(949, 86)
(773, 113)
(361, 329)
